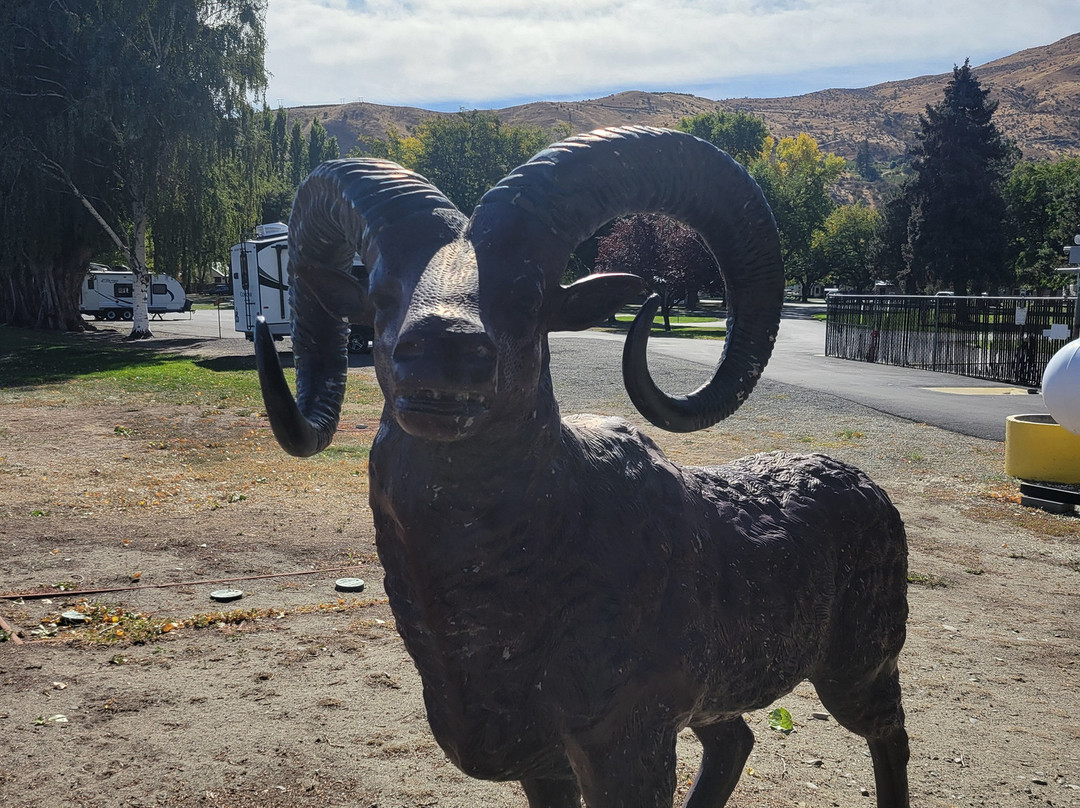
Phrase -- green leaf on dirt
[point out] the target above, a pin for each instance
(780, 719)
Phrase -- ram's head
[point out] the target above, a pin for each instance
(462, 306)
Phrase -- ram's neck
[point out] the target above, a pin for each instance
(436, 485)
(497, 454)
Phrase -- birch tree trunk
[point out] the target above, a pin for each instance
(140, 324)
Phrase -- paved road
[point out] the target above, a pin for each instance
(959, 404)
(969, 406)
(956, 403)
(199, 324)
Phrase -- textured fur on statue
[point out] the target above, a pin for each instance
(573, 599)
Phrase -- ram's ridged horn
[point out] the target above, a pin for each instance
(574, 187)
(343, 207)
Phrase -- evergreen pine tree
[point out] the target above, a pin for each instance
(298, 155)
(864, 163)
(957, 233)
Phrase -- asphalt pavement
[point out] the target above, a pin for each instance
(967, 406)
(957, 403)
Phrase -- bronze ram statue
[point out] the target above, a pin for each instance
(573, 599)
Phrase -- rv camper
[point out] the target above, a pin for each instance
(107, 294)
(260, 282)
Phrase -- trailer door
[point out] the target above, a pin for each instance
(243, 304)
(281, 260)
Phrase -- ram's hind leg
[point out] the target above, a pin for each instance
(552, 793)
(873, 710)
(725, 748)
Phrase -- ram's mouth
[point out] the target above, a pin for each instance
(439, 403)
(441, 416)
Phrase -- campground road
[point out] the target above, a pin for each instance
(967, 406)
(197, 324)
(959, 404)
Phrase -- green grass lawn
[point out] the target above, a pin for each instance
(675, 318)
(92, 366)
(69, 368)
(683, 326)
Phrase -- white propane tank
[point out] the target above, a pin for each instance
(1061, 386)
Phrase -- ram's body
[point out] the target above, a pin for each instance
(573, 599)
(536, 597)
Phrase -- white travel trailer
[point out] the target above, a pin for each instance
(107, 294)
(260, 282)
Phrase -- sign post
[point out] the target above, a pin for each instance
(1074, 261)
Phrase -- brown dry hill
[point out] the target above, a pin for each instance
(1038, 91)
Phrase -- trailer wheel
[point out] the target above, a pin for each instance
(110, 314)
(127, 314)
(358, 344)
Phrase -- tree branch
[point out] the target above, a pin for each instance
(58, 172)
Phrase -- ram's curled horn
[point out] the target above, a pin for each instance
(574, 187)
(344, 207)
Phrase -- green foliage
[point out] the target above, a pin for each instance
(956, 228)
(929, 580)
(864, 163)
(1044, 208)
(946, 226)
(795, 176)
(216, 193)
(321, 146)
(841, 248)
(108, 109)
(279, 141)
(463, 154)
(670, 257)
(298, 152)
(740, 134)
(780, 720)
(889, 249)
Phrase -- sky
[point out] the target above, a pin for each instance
(488, 54)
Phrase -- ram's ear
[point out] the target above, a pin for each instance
(342, 295)
(592, 300)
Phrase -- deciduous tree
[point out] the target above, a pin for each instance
(1044, 211)
(740, 134)
(463, 154)
(103, 103)
(841, 248)
(670, 257)
(796, 176)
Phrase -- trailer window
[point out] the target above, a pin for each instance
(90, 282)
(122, 290)
(159, 289)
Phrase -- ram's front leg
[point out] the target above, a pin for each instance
(628, 766)
(552, 793)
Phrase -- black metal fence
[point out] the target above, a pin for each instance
(1004, 339)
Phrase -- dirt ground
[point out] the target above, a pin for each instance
(300, 695)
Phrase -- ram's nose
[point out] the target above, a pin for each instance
(445, 357)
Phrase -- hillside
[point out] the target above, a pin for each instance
(1038, 91)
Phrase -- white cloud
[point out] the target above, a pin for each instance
(449, 53)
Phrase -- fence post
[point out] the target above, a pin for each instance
(937, 332)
